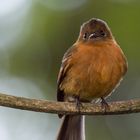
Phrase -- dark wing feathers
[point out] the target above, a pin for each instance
(65, 66)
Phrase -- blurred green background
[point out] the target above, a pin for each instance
(33, 38)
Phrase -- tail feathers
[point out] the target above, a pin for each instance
(72, 128)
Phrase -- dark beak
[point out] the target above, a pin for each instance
(94, 35)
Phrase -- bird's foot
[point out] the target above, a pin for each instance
(78, 104)
(104, 104)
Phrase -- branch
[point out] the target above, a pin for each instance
(119, 107)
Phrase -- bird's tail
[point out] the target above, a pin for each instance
(72, 128)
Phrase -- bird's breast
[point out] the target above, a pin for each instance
(95, 72)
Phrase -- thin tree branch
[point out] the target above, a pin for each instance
(118, 107)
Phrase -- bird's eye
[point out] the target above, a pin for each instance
(85, 36)
(102, 33)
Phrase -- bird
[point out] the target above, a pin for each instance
(91, 69)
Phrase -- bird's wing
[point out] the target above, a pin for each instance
(65, 66)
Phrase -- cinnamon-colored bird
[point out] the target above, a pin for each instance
(92, 68)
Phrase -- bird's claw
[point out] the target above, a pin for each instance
(104, 104)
